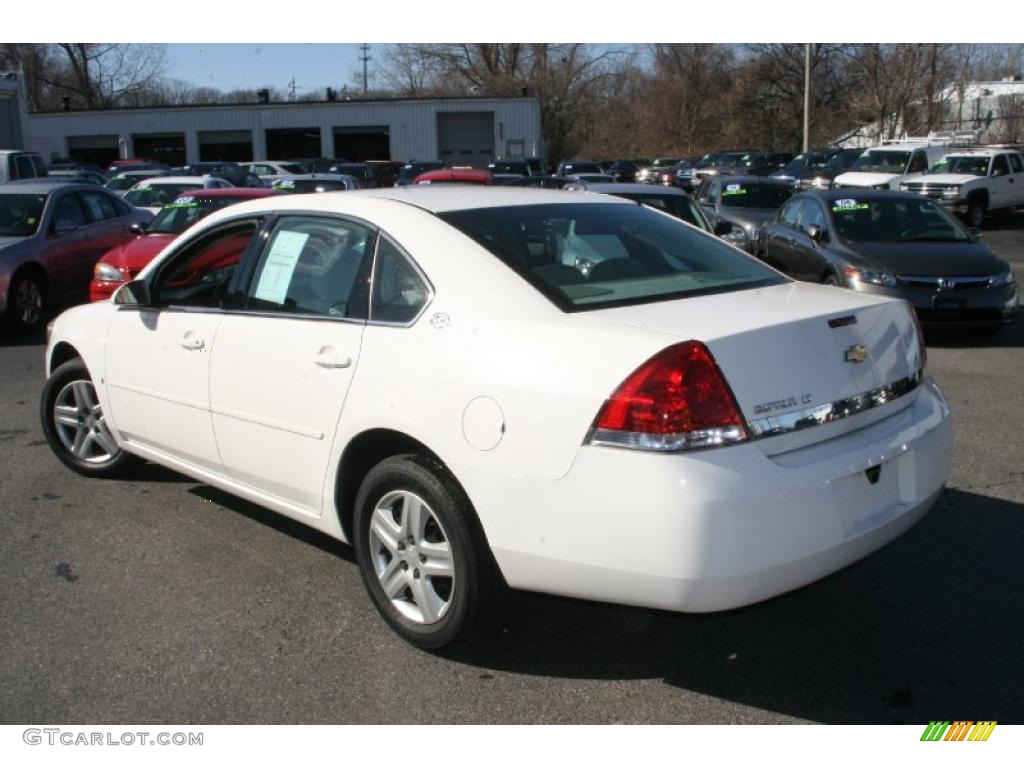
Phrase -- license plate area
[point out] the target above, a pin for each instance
(949, 304)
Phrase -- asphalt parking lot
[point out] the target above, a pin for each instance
(164, 600)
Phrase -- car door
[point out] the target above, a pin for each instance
(781, 237)
(1016, 179)
(285, 358)
(158, 356)
(808, 257)
(66, 240)
(1001, 184)
(106, 227)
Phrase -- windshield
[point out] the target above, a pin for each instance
(589, 256)
(806, 161)
(157, 195)
(882, 161)
(842, 160)
(176, 217)
(681, 207)
(521, 168)
(20, 214)
(965, 164)
(664, 162)
(359, 171)
(742, 195)
(119, 183)
(890, 219)
(728, 159)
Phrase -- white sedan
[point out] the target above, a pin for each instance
(510, 388)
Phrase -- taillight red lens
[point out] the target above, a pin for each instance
(680, 392)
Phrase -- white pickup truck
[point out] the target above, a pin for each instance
(974, 182)
(888, 166)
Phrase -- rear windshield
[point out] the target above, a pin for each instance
(578, 168)
(20, 214)
(591, 256)
(738, 195)
(411, 171)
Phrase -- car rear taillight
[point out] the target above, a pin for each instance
(676, 401)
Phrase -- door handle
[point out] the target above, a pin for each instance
(192, 342)
(328, 358)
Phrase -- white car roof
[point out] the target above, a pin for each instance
(457, 197)
(980, 152)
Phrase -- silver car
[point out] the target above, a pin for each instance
(51, 235)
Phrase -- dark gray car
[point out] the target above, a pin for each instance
(893, 244)
(51, 236)
(745, 202)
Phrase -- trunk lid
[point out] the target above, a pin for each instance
(780, 354)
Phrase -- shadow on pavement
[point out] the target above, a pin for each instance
(930, 627)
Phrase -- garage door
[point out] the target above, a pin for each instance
(466, 138)
(101, 150)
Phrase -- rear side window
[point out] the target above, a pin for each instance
(311, 266)
(98, 207)
(589, 256)
(399, 292)
(24, 167)
(68, 212)
(791, 212)
(1015, 163)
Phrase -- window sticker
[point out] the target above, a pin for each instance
(280, 264)
(286, 184)
(849, 204)
(30, 221)
(733, 189)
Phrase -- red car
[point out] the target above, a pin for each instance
(455, 176)
(124, 262)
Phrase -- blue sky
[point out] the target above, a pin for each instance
(248, 65)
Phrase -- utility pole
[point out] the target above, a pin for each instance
(807, 97)
(291, 87)
(365, 58)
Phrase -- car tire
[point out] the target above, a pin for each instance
(423, 556)
(976, 210)
(26, 301)
(75, 427)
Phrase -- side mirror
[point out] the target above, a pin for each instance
(723, 228)
(816, 233)
(134, 293)
(137, 228)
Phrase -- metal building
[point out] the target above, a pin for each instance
(469, 132)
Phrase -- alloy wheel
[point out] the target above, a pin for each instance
(80, 425)
(412, 557)
(28, 302)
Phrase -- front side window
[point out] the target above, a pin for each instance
(589, 256)
(399, 292)
(198, 276)
(311, 266)
(812, 215)
(1000, 166)
(25, 169)
(918, 163)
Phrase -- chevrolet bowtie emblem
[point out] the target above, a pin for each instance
(858, 353)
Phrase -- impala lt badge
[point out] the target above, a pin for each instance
(858, 353)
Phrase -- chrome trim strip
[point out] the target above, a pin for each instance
(770, 426)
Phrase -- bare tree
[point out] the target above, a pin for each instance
(103, 75)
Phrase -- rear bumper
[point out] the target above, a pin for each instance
(720, 529)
